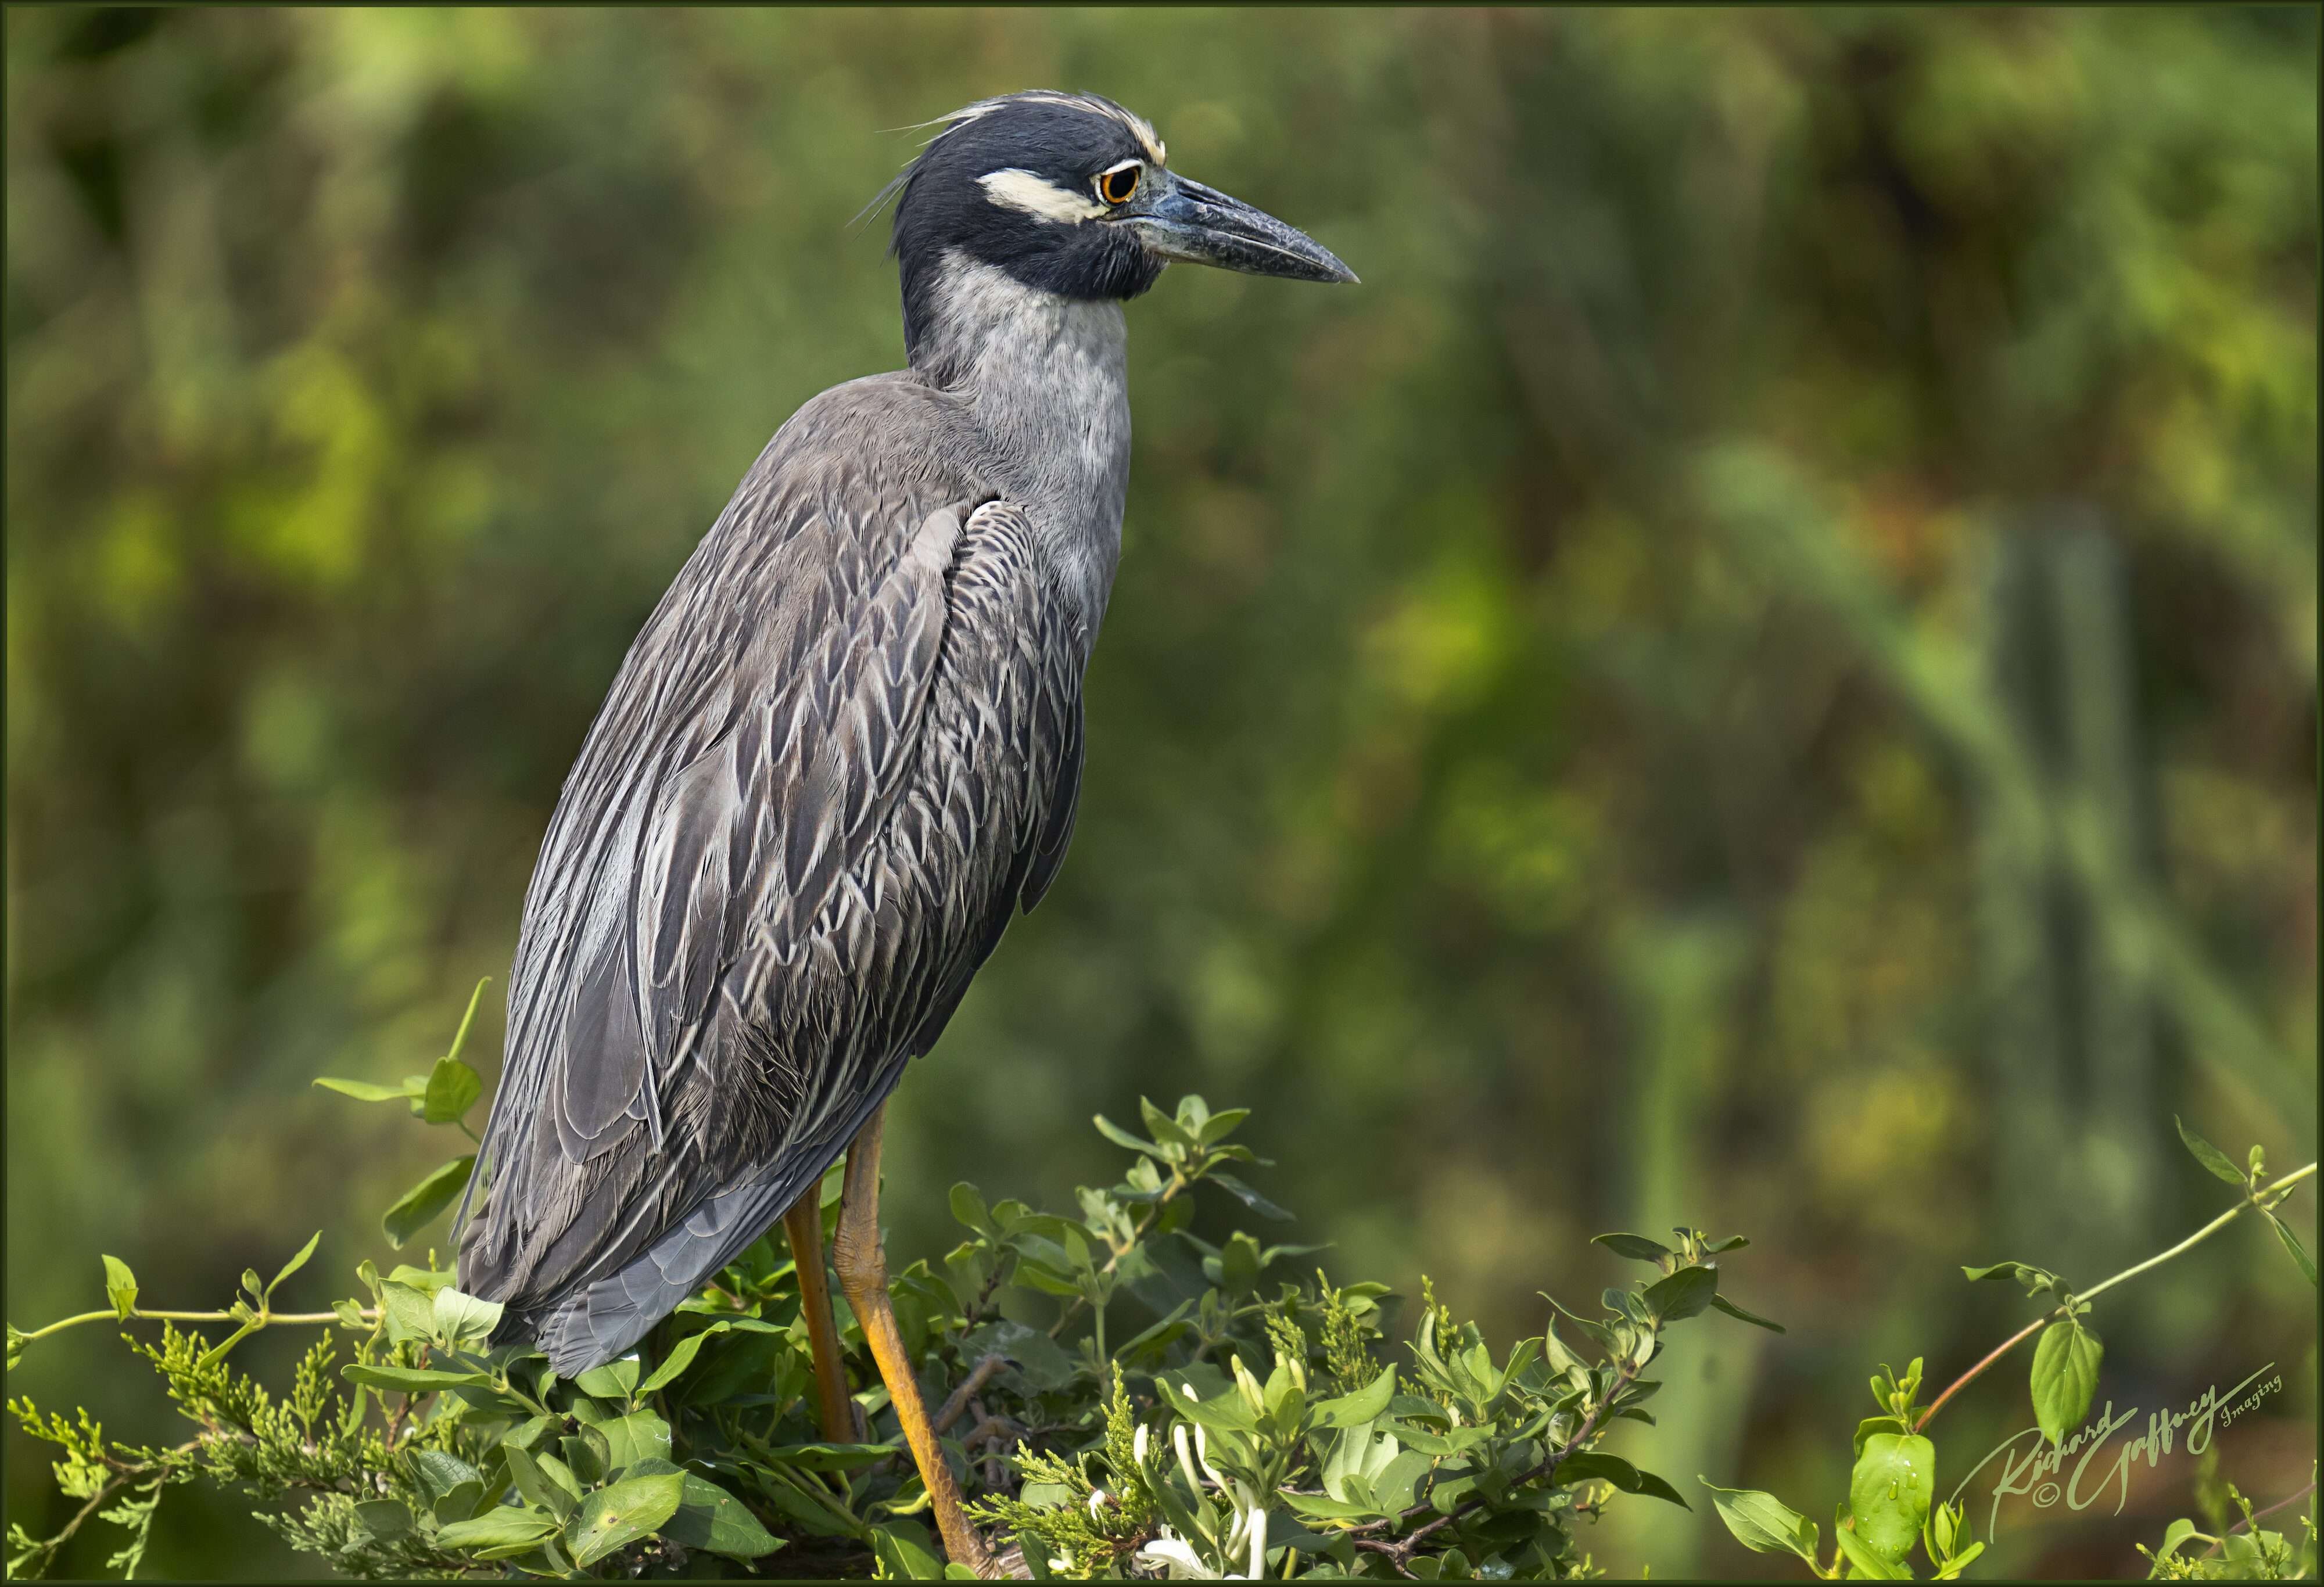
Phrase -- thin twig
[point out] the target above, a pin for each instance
(985, 1421)
(958, 1401)
(139, 1315)
(2221, 1542)
(2266, 1200)
(49, 1547)
(1178, 1182)
(996, 1428)
(984, 1298)
(1963, 1381)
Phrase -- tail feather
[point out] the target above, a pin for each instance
(599, 1321)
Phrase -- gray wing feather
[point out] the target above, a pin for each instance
(1065, 803)
(831, 765)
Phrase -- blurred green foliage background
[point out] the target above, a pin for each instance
(1760, 670)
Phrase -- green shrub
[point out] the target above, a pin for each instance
(1190, 1407)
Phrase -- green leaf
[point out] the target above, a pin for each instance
(120, 1287)
(1591, 1466)
(1452, 1441)
(614, 1380)
(1123, 1138)
(1861, 1554)
(411, 1380)
(384, 1518)
(1636, 1246)
(1323, 1507)
(500, 1526)
(1220, 1125)
(1763, 1523)
(1224, 1413)
(441, 1474)
(638, 1436)
(363, 1090)
(1687, 1293)
(1654, 1487)
(536, 1485)
(713, 1520)
(1166, 1129)
(1741, 1316)
(1365, 1405)
(1888, 1492)
(2283, 1232)
(453, 1089)
(417, 1207)
(411, 1313)
(2065, 1377)
(299, 1261)
(563, 1476)
(829, 1457)
(628, 1511)
(1248, 1196)
(2000, 1270)
(459, 1504)
(1959, 1562)
(2176, 1534)
(968, 1207)
(1871, 1424)
(2209, 1155)
(903, 1547)
(681, 1356)
(462, 1322)
(2035, 1279)
(460, 1038)
(426, 1281)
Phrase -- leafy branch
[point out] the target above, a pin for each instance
(1889, 1507)
(2074, 1352)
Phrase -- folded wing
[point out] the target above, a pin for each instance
(845, 747)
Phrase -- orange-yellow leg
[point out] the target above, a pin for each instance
(804, 1224)
(863, 1269)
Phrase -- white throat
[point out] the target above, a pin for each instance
(1045, 379)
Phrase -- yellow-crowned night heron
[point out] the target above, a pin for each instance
(844, 750)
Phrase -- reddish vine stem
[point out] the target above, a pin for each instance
(2221, 1542)
(2265, 1201)
(1966, 1379)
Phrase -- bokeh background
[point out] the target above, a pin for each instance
(1761, 670)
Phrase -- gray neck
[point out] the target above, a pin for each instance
(1044, 379)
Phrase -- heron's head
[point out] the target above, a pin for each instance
(1071, 194)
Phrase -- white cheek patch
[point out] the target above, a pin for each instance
(1021, 190)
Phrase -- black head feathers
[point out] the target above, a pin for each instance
(1013, 183)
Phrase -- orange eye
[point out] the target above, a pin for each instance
(1119, 185)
